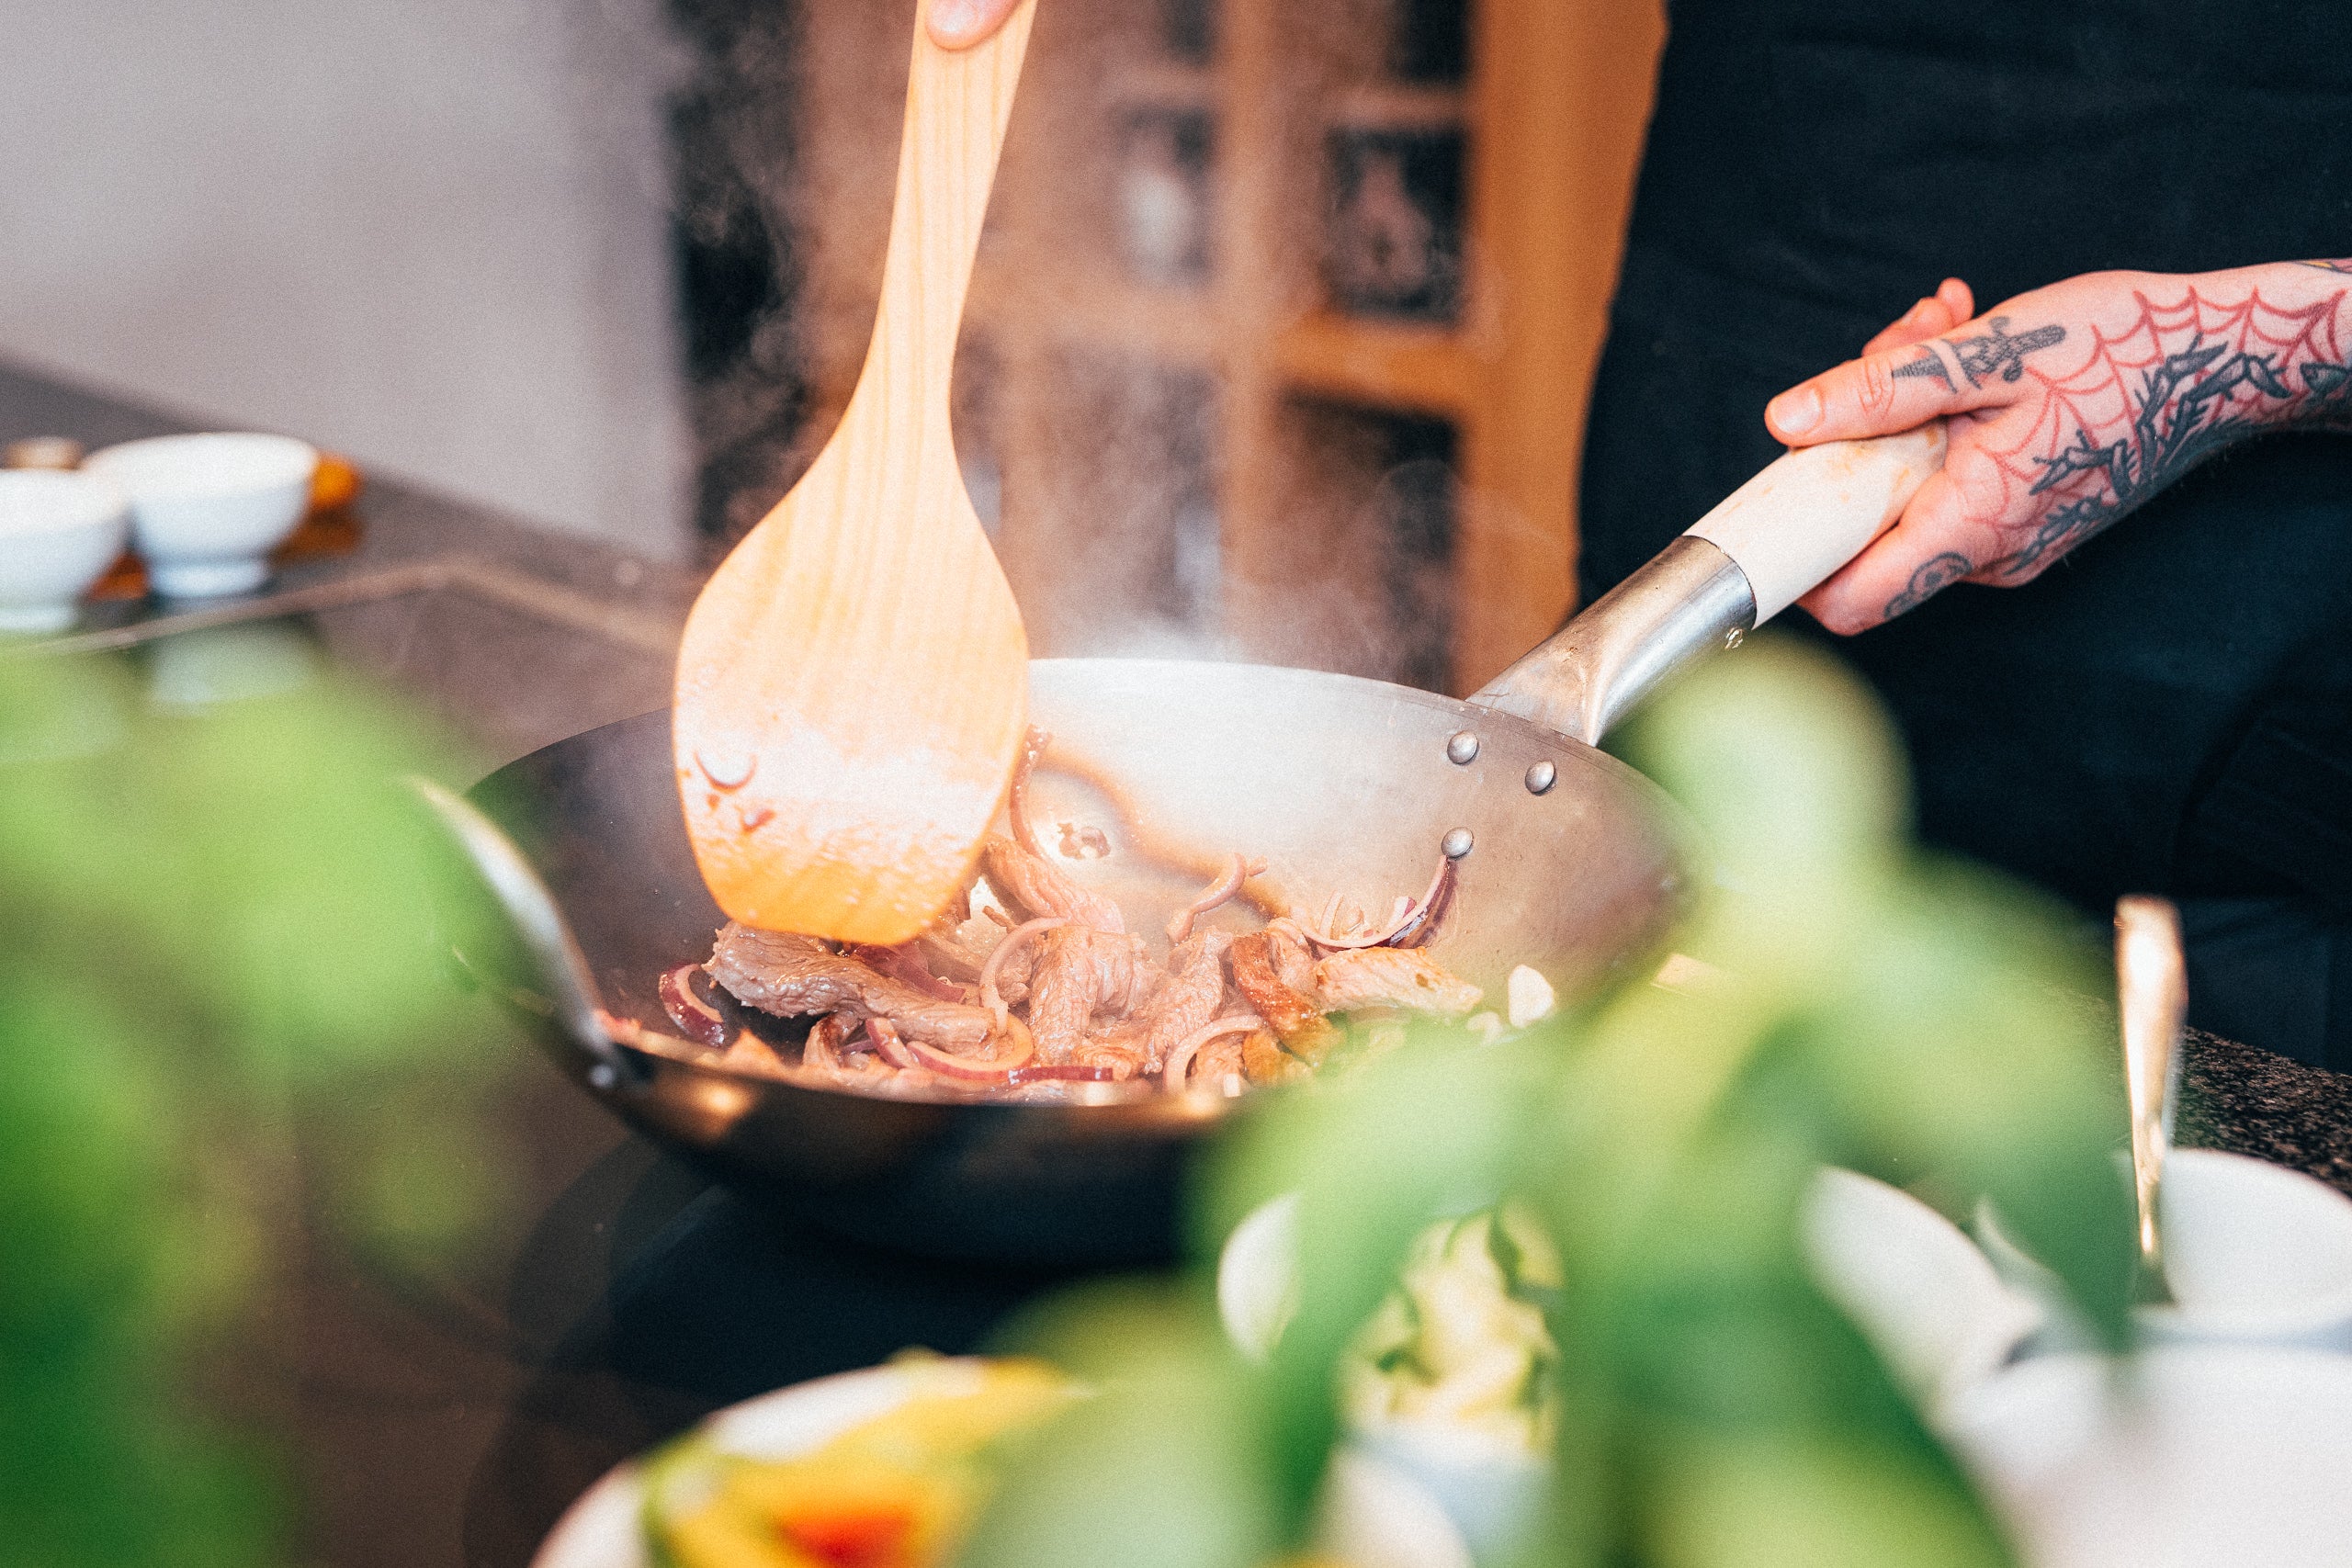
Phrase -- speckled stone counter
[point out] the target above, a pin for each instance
(2249, 1102)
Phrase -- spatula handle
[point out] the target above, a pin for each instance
(958, 104)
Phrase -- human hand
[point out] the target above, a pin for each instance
(960, 24)
(2067, 407)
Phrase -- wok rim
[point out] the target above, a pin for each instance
(1134, 1104)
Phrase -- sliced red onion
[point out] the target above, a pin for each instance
(1062, 1072)
(1180, 1060)
(995, 1070)
(1409, 915)
(1012, 938)
(1221, 891)
(892, 1047)
(696, 1019)
(905, 963)
(1016, 802)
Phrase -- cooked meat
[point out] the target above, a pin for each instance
(1080, 972)
(1293, 960)
(1389, 976)
(1123, 1060)
(1263, 1061)
(1030, 885)
(791, 975)
(1296, 1021)
(943, 952)
(1221, 1058)
(1189, 998)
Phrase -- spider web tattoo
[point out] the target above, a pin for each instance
(2157, 399)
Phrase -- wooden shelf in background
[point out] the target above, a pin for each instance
(1400, 106)
(1420, 368)
(1165, 84)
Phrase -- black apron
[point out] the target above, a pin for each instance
(2168, 708)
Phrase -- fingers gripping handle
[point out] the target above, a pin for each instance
(1794, 524)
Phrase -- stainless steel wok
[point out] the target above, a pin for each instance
(1567, 860)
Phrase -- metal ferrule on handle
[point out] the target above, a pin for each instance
(1775, 539)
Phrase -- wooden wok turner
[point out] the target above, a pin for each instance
(852, 690)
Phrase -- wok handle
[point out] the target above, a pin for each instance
(1774, 538)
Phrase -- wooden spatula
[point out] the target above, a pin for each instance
(853, 681)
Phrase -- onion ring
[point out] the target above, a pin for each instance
(995, 1070)
(696, 1018)
(892, 1047)
(1013, 938)
(1180, 924)
(1410, 912)
(1016, 802)
(1062, 1072)
(1180, 1060)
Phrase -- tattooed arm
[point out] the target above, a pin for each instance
(2069, 406)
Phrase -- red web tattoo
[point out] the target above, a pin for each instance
(2154, 399)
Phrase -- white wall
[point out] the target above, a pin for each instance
(427, 232)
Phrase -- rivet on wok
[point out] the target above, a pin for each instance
(1733, 637)
(1457, 843)
(602, 1077)
(1541, 777)
(1463, 748)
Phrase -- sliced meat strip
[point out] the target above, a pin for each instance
(1293, 960)
(791, 975)
(1190, 997)
(1263, 1061)
(1073, 978)
(945, 954)
(1222, 1059)
(1390, 976)
(1297, 1022)
(1030, 885)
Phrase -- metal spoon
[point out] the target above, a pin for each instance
(2152, 985)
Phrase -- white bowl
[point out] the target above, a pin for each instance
(59, 532)
(1384, 1516)
(1928, 1301)
(2256, 1254)
(207, 510)
(2186, 1457)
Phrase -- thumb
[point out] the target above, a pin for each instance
(960, 24)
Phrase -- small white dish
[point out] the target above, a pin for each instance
(2183, 1457)
(1383, 1512)
(207, 509)
(1927, 1300)
(2256, 1254)
(59, 532)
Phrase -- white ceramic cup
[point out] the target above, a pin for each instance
(2256, 1254)
(207, 510)
(2183, 1457)
(1928, 1301)
(59, 532)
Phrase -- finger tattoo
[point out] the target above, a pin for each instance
(1929, 363)
(1932, 578)
(1998, 354)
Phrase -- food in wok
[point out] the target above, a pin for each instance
(1031, 982)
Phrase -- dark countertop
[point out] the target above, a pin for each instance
(448, 1419)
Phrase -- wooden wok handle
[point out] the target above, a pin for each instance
(1794, 525)
(1774, 540)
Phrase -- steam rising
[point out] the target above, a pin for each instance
(1113, 355)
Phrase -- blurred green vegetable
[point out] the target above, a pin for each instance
(1879, 1009)
(215, 934)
